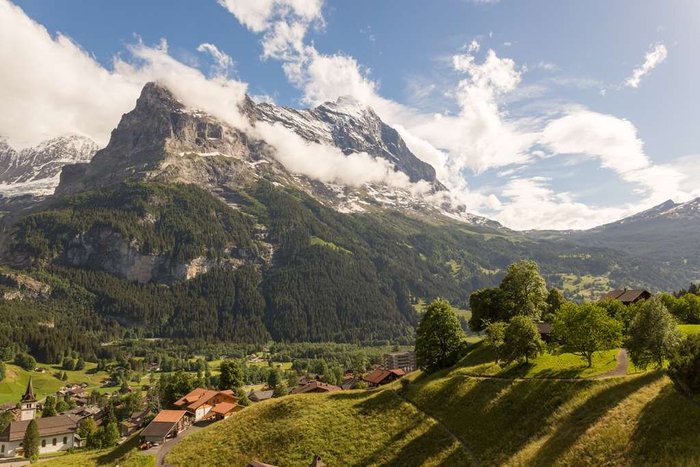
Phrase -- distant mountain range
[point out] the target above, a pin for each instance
(183, 222)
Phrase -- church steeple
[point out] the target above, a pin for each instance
(27, 405)
(29, 393)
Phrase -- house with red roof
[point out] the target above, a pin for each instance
(166, 424)
(381, 376)
(200, 402)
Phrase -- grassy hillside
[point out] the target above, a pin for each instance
(633, 420)
(348, 428)
(125, 455)
(15, 383)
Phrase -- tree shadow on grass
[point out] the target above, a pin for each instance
(667, 431)
(586, 415)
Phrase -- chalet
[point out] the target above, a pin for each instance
(405, 361)
(199, 402)
(55, 433)
(627, 296)
(315, 386)
(134, 422)
(257, 396)
(350, 383)
(223, 410)
(167, 424)
(78, 414)
(545, 330)
(381, 376)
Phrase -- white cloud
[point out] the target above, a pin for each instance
(56, 88)
(223, 63)
(329, 164)
(533, 205)
(657, 54)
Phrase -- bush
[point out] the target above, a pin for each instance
(25, 361)
(684, 366)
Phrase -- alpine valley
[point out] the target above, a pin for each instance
(185, 226)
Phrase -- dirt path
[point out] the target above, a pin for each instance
(620, 369)
(457, 438)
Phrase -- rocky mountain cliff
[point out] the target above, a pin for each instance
(162, 139)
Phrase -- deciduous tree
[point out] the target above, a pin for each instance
(439, 337)
(586, 329)
(653, 334)
(521, 340)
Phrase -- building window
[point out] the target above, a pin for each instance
(43, 443)
(54, 441)
(3, 448)
(65, 440)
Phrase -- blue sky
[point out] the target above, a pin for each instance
(583, 145)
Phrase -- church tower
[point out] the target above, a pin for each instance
(28, 403)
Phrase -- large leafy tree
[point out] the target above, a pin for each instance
(31, 441)
(232, 375)
(495, 337)
(653, 334)
(586, 329)
(439, 337)
(487, 307)
(521, 340)
(524, 290)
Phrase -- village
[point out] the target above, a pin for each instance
(198, 408)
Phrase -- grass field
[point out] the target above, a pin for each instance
(125, 455)
(15, 382)
(348, 428)
(688, 329)
(481, 361)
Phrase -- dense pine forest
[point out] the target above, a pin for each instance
(280, 266)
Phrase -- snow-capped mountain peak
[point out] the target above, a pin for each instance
(36, 170)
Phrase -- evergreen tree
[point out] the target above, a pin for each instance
(31, 442)
(110, 436)
(49, 409)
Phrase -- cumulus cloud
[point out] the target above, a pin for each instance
(56, 88)
(482, 136)
(532, 204)
(656, 55)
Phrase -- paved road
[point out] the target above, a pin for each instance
(159, 452)
(620, 369)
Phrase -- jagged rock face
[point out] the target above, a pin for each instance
(352, 128)
(163, 139)
(36, 170)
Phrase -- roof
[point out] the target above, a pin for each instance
(255, 463)
(260, 395)
(200, 396)
(158, 429)
(378, 375)
(544, 328)
(29, 393)
(58, 425)
(222, 408)
(315, 386)
(170, 416)
(401, 353)
(626, 295)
